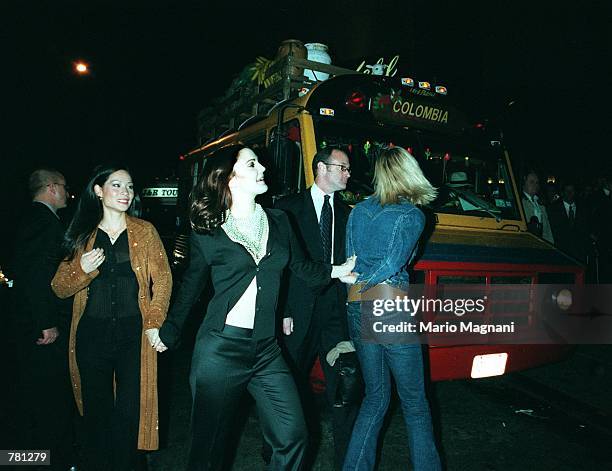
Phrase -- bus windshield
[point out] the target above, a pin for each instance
(471, 175)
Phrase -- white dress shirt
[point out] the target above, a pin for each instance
(537, 209)
(318, 198)
(533, 207)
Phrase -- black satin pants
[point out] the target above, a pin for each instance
(109, 352)
(227, 364)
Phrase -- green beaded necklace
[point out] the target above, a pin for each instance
(250, 232)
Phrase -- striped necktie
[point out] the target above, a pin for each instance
(325, 225)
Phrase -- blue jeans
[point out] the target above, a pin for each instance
(378, 362)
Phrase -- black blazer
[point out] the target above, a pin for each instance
(571, 239)
(301, 302)
(231, 269)
(36, 257)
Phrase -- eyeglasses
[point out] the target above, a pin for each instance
(66, 187)
(343, 168)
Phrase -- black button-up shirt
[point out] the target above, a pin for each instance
(113, 293)
(231, 269)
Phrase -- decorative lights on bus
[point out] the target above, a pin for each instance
(409, 82)
(326, 112)
(356, 101)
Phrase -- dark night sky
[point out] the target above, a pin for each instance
(156, 64)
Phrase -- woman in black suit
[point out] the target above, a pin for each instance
(243, 249)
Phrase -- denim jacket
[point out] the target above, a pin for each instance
(384, 238)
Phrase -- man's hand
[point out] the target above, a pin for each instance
(156, 342)
(48, 336)
(349, 279)
(287, 325)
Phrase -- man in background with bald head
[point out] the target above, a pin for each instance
(44, 399)
(37, 251)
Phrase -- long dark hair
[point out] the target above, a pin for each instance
(211, 197)
(89, 212)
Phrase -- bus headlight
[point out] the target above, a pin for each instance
(563, 299)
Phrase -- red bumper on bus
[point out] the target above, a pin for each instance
(471, 360)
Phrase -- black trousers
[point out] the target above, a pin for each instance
(44, 406)
(108, 349)
(343, 418)
(224, 366)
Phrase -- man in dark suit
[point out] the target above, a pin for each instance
(600, 211)
(318, 320)
(569, 224)
(44, 399)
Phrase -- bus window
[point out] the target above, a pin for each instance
(472, 177)
(285, 171)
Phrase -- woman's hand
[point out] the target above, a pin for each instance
(90, 261)
(345, 269)
(156, 343)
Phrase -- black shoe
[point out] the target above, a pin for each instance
(266, 452)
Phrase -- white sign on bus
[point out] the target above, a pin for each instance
(159, 192)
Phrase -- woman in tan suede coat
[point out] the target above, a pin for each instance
(117, 270)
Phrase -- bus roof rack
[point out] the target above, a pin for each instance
(246, 99)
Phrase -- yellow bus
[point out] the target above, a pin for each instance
(477, 233)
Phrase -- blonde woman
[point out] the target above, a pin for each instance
(383, 232)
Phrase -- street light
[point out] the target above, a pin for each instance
(81, 68)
